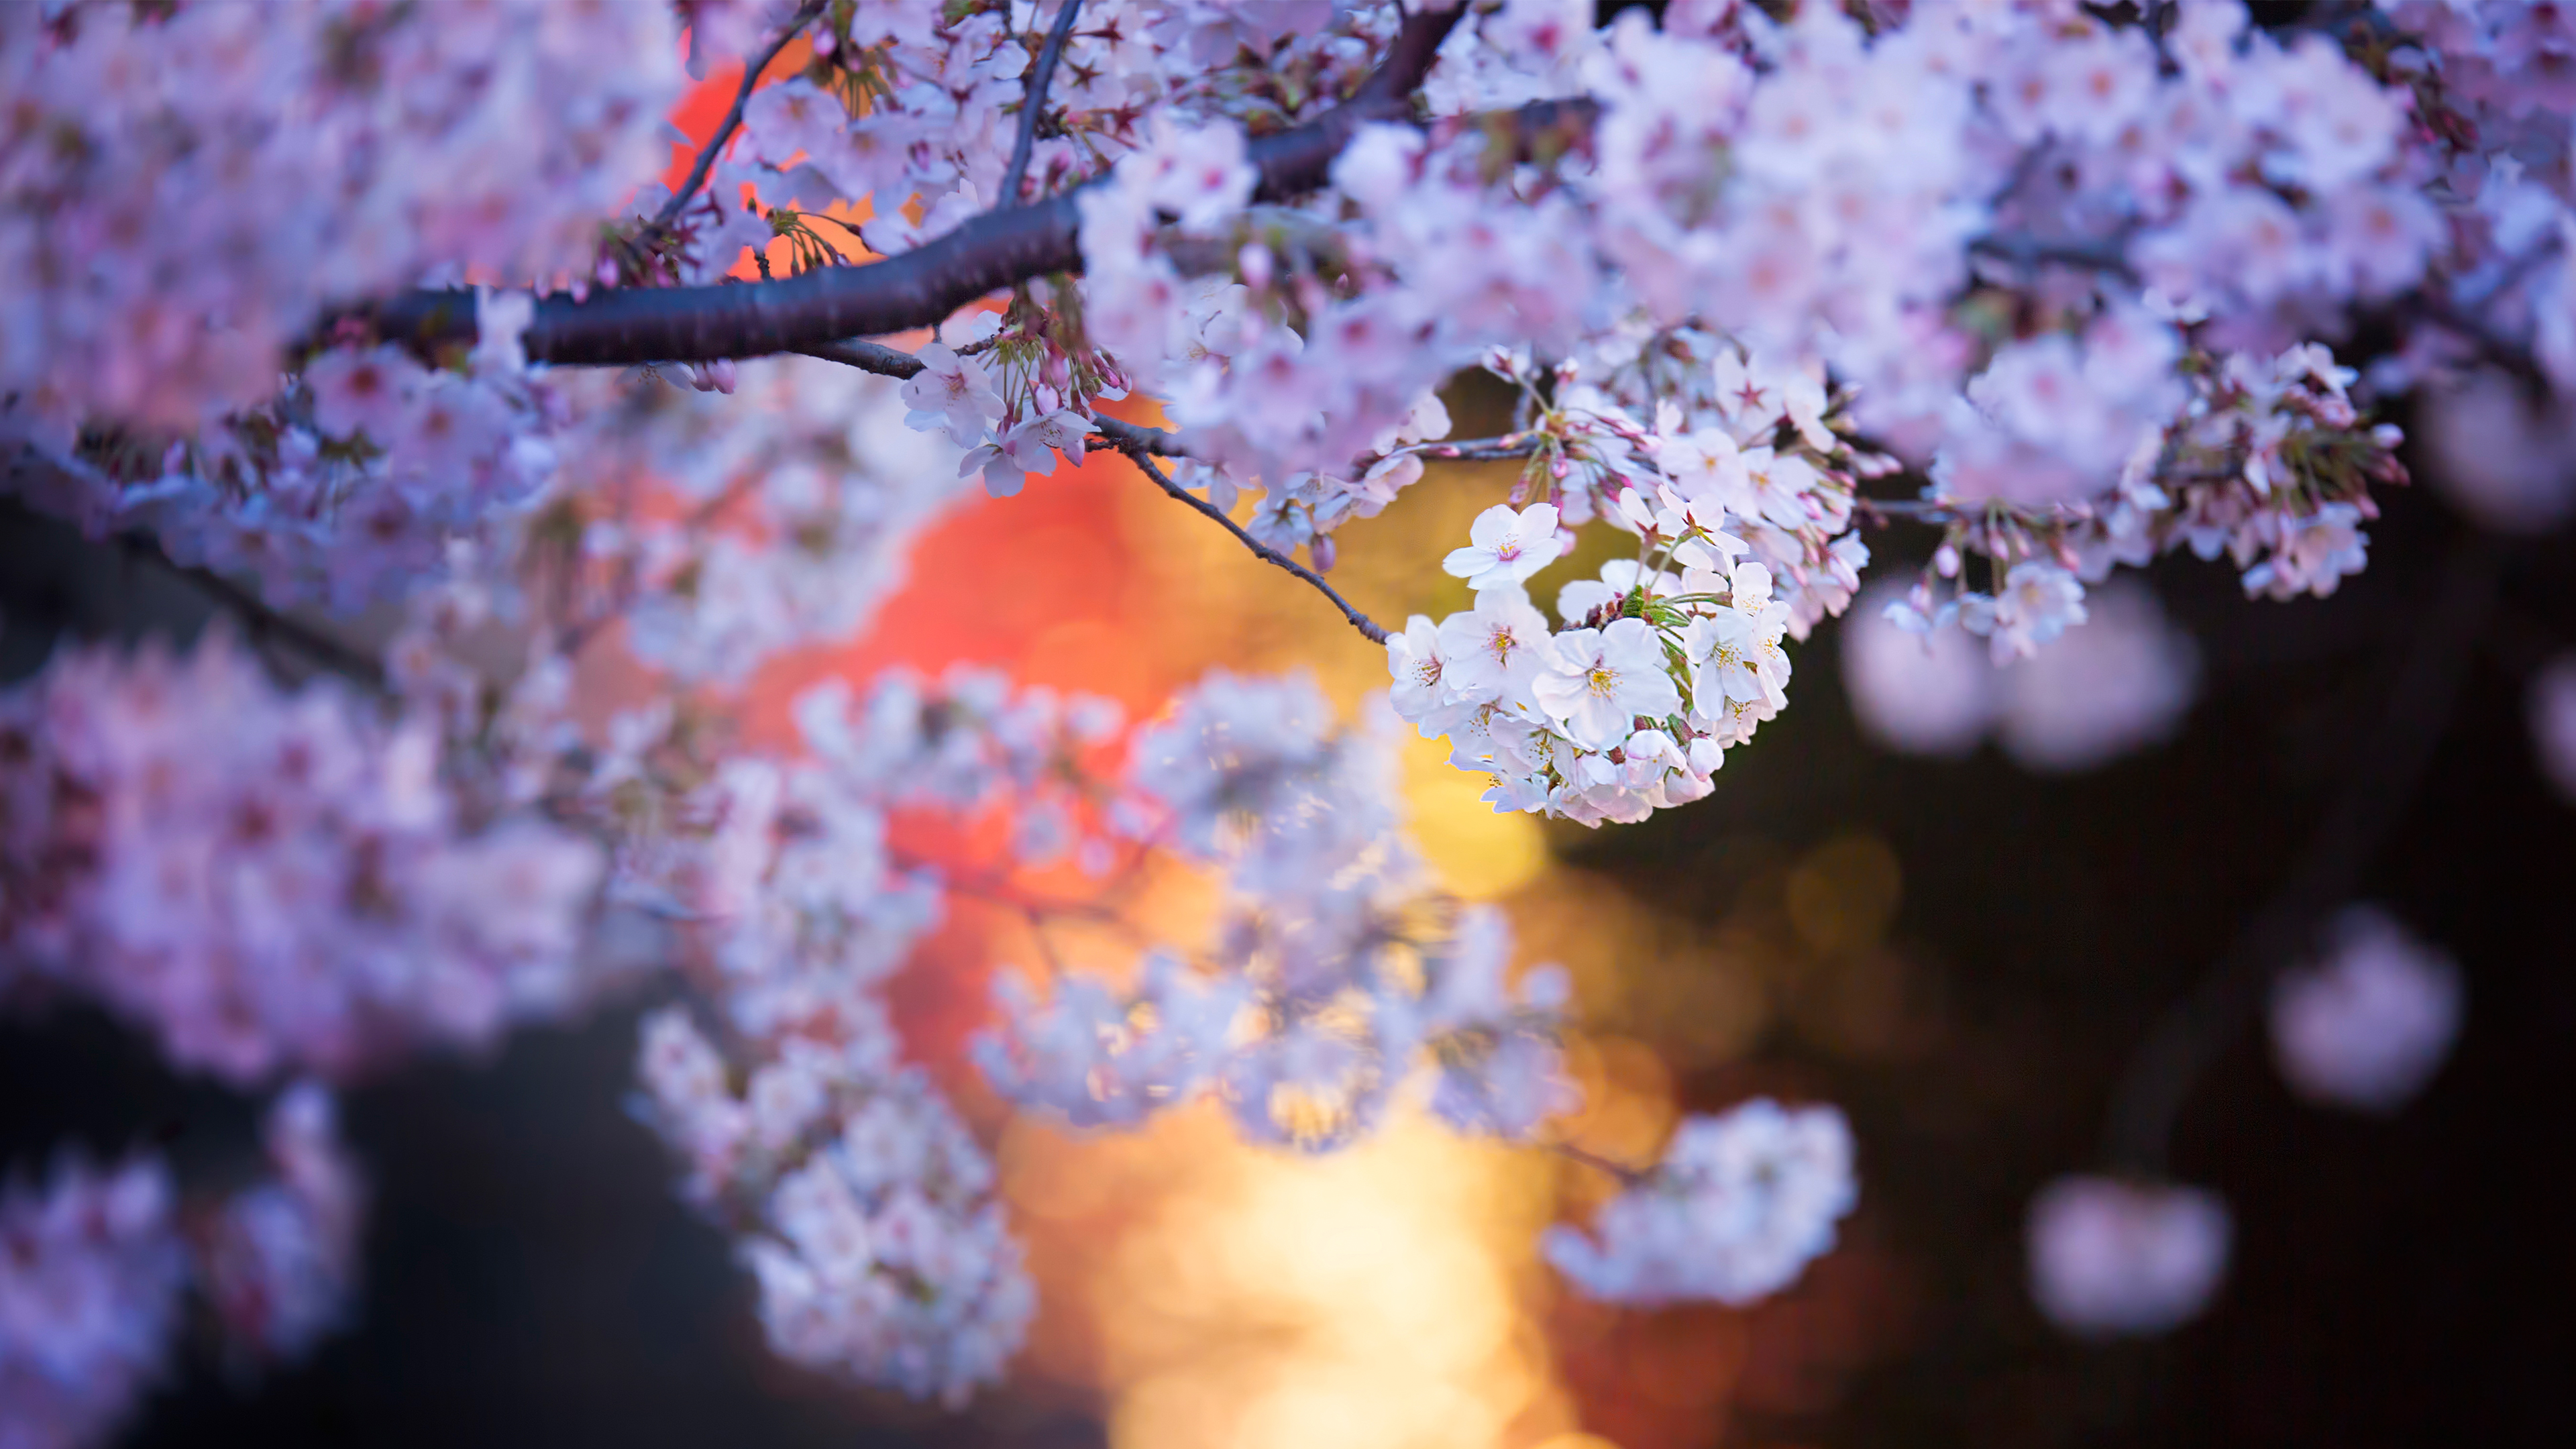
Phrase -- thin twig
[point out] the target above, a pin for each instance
(885, 361)
(1480, 450)
(725, 128)
(1628, 1176)
(1035, 105)
(1368, 627)
(1943, 511)
(2379, 785)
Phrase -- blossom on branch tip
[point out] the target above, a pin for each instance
(91, 1269)
(2037, 602)
(1413, 658)
(953, 393)
(2369, 1024)
(1740, 1205)
(281, 1259)
(2109, 1257)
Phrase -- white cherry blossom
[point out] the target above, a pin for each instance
(1600, 680)
(1505, 547)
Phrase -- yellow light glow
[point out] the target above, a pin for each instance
(1253, 1299)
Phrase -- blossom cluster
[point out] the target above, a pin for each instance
(2119, 681)
(2362, 1028)
(725, 528)
(91, 1272)
(278, 1261)
(1739, 1206)
(2268, 462)
(1728, 471)
(859, 1201)
(2109, 1256)
(316, 154)
(1819, 191)
(2489, 85)
(95, 1266)
(2368, 1024)
(863, 1208)
(294, 891)
(920, 100)
(1338, 978)
(351, 486)
(1628, 708)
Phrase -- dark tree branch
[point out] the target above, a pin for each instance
(1035, 105)
(707, 154)
(920, 288)
(263, 623)
(2379, 784)
(2106, 255)
(1144, 460)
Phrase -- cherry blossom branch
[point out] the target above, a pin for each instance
(2379, 785)
(920, 288)
(2108, 255)
(732, 121)
(1035, 105)
(1942, 512)
(1369, 628)
(1479, 450)
(885, 361)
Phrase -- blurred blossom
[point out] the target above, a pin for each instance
(2503, 457)
(1738, 1208)
(1914, 692)
(2369, 1025)
(861, 1205)
(490, 140)
(2110, 1257)
(291, 891)
(2115, 684)
(281, 1258)
(2553, 723)
(91, 1266)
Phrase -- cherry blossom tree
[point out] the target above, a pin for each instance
(357, 306)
